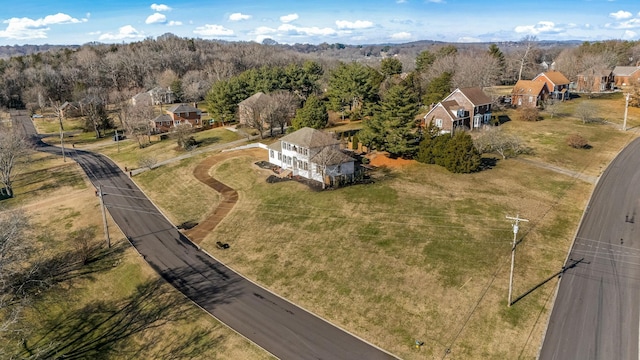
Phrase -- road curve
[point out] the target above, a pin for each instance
(278, 326)
(596, 312)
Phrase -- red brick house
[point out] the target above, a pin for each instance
(529, 93)
(595, 80)
(185, 114)
(626, 75)
(557, 83)
(162, 123)
(468, 108)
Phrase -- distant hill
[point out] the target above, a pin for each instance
(8, 51)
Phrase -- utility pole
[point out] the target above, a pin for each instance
(104, 217)
(64, 159)
(517, 219)
(626, 110)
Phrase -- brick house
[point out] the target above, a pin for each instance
(557, 83)
(251, 107)
(185, 114)
(529, 93)
(626, 75)
(595, 80)
(467, 108)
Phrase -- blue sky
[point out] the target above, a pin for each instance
(308, 21)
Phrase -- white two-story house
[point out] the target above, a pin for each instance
(312, 154)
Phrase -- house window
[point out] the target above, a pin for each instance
(439, 123)
(280, 156)
(271, 154)
(318, 169)
(176, 122)
(306, 165)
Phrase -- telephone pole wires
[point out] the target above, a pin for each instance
(517, 220)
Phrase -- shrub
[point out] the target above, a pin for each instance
(528, 114)
(576, 141)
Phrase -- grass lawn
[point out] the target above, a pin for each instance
(421, 253)
(112, 307)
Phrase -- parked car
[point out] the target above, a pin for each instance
(37, 116)
(118, 137)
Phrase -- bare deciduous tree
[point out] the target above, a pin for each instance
(281, 108)
(13, 147)
(473, 69)
(585, 111)
(137, 121)
(254, 114)
(13, 253)
(182, 134)
(494, 139)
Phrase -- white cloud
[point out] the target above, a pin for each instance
(213, 30)
(174, 23)
(401, 1)
(542, 27)
(239, 17)
(289, 18)
(358, 24)
(469, 39)
(26, 28)
(629, 24)
(401, 36)
(264, 30)
(619, 15)
(630, 35)
(160, 7)
(289, 29)
(156, 18)
(125, 32)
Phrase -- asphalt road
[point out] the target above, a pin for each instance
(596, 312)
(278, 326)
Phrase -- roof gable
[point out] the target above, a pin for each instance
(475, 95)
(331, 156)
(310, 138)
(625, 70)
(523, 87)
(445, 106)
(259, 96)
(183, 108)
(556, 77)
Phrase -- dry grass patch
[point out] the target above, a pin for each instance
(406, 258)
(114, 306)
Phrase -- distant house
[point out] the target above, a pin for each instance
(250, 110)
(68, 109)
(595, 80)
(185, 114)
(557, 84)
(155, 96)
(468, 108)
(626, 75)
(529, 93)
(143, 98)
(312, 154)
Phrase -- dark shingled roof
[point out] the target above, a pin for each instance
(183, 108)
(310, 138)
(331, 156)
(476, 96)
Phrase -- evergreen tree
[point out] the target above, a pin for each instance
(220, 101)
(176, 88)
(437, 89)
(494, 51)
(313, 114)
(424, 60)
(353, 86)
(392, 127)
(390, 66)
(461, 156)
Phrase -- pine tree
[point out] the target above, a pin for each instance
(392, 127)
(313, 114)
(461, 155)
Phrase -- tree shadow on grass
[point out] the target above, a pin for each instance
(62, 267)
(209, 141)
(104, 328)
